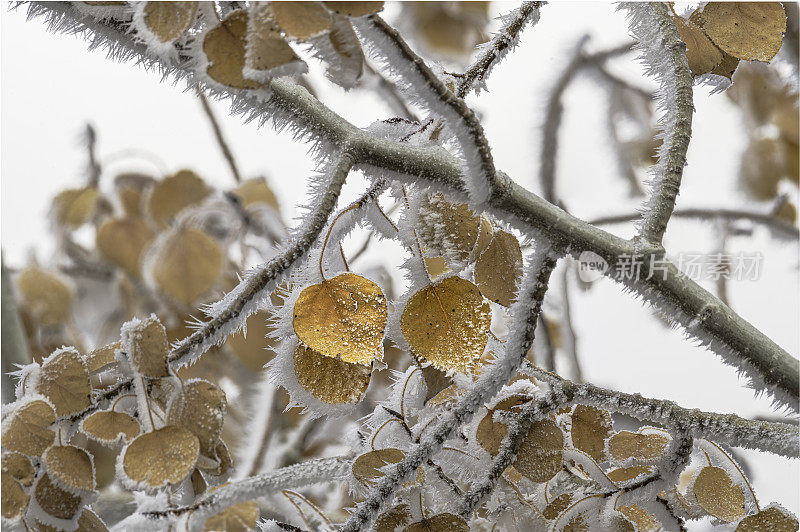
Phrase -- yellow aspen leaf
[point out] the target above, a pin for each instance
(774, 519)
(19, 467)
(540, 455)
(27, 430)
(167, 21)
(499, 267)
(302, 20)
(145, 344)
(641, 446)
(701, 53)
(200, 408)
(163, 457)
(354, 9)
(452, 30)
(436, 380)
(393, 518)
(89, 522)
(490, 433)
(241, 517)
(264, 52)
(122, 241)
(257, 348)
(436, 267)
(109, 427)
(446, 323)
(71, 467)
(484, 237)
(343, 317)
(173, 194)
(447, 229)
(187, 265)
(55, 501)
(15, 500)
(727, 66)
(752, 31)
(256, 191)
(76, 206)
(439, 523)
(718, 495)
(64, 380)
(557, 506)
(367, 468)
(591, 426)
(45, 295)
(624, 474)
(644, 520)
(101, 357)
(224, 46)
(329, 379)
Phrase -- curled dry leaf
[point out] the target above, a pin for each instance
(27, 430)
(355, 9)
(108, 427)
(256, 191)
(101, 357)
(187, 265)
(45, 295)
(241, 517)
(439, 523)
(367, 468)
(330, 380)
(499, 268)
(446, 323)
(122, 241)
(393, 518)
(447, 229)
(55, 501)
(302, 20)
(71, 467)
(145, 344)
(223, 462)
(638, 445)
(173, 194)
(15, 500)
(64, 380)
(160, 458)
(752, 31)
(539, 456)
(774, 519)
(200, 408)
(199, 484)
(19, 467)
(701, 53)
(74, 207)
(343, 317)
(167, 21)
(255, 48)
(718, 495)
(591, 426)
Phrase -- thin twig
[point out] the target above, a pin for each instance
(223, 145)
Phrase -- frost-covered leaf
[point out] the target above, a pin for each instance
(167, 21)
(703, 56)
(436, 380)
(76, 206)
(27, 431)
(173, 194)
(160, 458)
(539, 456)
(727, 66)
(499, 268)
(256, 191)
(393, 518)
(485, 234)
(45, 295)
(256, 48)
(718, 495)
(101, 357)
(302, 20)
(638, 445)
(557, 506)
(19, 467)
(329, 379)
(449, 30)
(240, 517)
(145, 344)
(222, 464)
(55, 501)
(15, 500)
(644, 520)
(187, 265)
(446, 323)
(752, 31)
(625, 474)
(355, 9)
(343, 317)
(439, 523)
(367, 468)
(200, 407)
(64, 380)
(773, 519)
(448, 229)
(490, 433)
(341, 52)
(108, 427)
(122, 241)
(591, 426)
(224, 47)
(71, 467)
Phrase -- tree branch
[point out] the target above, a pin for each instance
(223, 145)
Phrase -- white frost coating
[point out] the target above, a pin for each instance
(260, 414)
(342, 66)
(165, 50)
(379, 221)
(293, 68)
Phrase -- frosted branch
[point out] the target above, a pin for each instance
(223, 145)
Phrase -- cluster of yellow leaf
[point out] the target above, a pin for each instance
(720, 34)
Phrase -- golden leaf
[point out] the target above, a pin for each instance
(240, 517)
(224, 46)
(436, 267)
(262, 47)
(256, 190)
(168, 20)
(173, 194)
(146, 343)
(557, 506)
(257, 348)
(625, 444)
(718, 495)
(439, 523)
(591, 426)
(450, 30)
(64, 380)
(18, 466)
(27, 431)
(188, 265)
(539, 455)
(343, 317)
(355, 9)
(367, 467)
(752, 31)
(774, 519)
(490, 433)
(446, 324)
(436, 380)
(76, 206)
(644, 520)
(15, 500)
(108, 427)
(71, 466)
(701, 53)
(498, 269)
(624, 474)
(101, 357)
(201, 409)
(121, 241)
(727, 66)
(45, 295)
(330, 380)
(485, 234)
(89, 522)
(448, 229)
(302, 20)
(393, 518)
(160, 458)
(55, 501)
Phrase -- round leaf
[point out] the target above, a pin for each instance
(173, 194)
(540, 455)
(752, 31)
(774, 519)
(75, 207)
(626, 444)
(591, 426)
(19, 467)
(145, 343)
(367, 468)
(15, 500)
(168, 20)
(330, 380)
(355, 9)
(109, 427)
(55, 501)
(701, 53)
(160, 458)
(27, 429)
(121, 241)
(302, 20)
(45, 295)
(201, 409)
(718, 495)
(240, 517)
(499, 268)
(71, 466)
(64, 380)
(187, 265)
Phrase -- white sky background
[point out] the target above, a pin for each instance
(51, 87)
